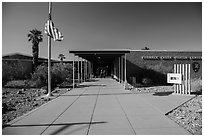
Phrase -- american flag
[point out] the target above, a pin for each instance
(53, 32)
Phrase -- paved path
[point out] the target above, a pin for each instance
(101, 107)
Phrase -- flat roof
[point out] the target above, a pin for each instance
(166, 50)
(101, 51)
(100, 55)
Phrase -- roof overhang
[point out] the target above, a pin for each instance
(100, 55)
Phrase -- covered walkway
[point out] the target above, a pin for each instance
(101, 106)
(99, 63)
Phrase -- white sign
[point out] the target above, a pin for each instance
(174, 78)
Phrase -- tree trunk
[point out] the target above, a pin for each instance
(35, 55)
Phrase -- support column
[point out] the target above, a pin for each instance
(175, 88)
(92, 71)
(81, 70)
(87, 69)
(122, 73)
(125, 69)
(119, 69)
(78, 71)
(189, 77)
(84, 70)
(73, 72)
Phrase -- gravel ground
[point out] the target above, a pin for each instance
(189, 115)
(153, 89)
(16, 102)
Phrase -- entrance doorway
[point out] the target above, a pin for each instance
(101, 70)
(105, 63)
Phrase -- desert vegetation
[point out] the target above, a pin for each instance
(22, 93)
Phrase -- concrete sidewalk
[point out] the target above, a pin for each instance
(101, 107)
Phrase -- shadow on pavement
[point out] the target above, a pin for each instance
(92, 80)
(62, 128)
(91, 85)
(100, 94)
(61, 124)
(196, 93)
(163, 93)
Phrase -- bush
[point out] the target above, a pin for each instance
(12, 71)
(196, 85)
(59, 74)
(40, 76)
(147, 81)
(18, 84)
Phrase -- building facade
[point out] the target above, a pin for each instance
(135, 66)
(155, 65)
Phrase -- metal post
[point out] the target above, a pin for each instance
(49, 56)
(84, 70)
(122, 69)
(81, 70)
(73, 72)
(189, 77)
(186, 78)
(78, 71)
(125, 70)
(183, 78)
(89, 70)
(175, 90)
(180, 86)
(119, 69)
(177, 70)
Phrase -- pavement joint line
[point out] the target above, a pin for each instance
(125, 114)
(30, 112)
(62, 112)
(93, 112)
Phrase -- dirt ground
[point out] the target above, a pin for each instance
(16, 102)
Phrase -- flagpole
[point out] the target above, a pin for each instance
(49, 56)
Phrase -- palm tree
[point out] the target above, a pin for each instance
(35, 36)
(61, 57)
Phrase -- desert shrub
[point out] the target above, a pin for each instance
(12, 71)
(196, 85)
(59, 74)
(147, 81)
(40, 76)
(17, 84)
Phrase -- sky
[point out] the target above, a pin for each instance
(99, 25)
